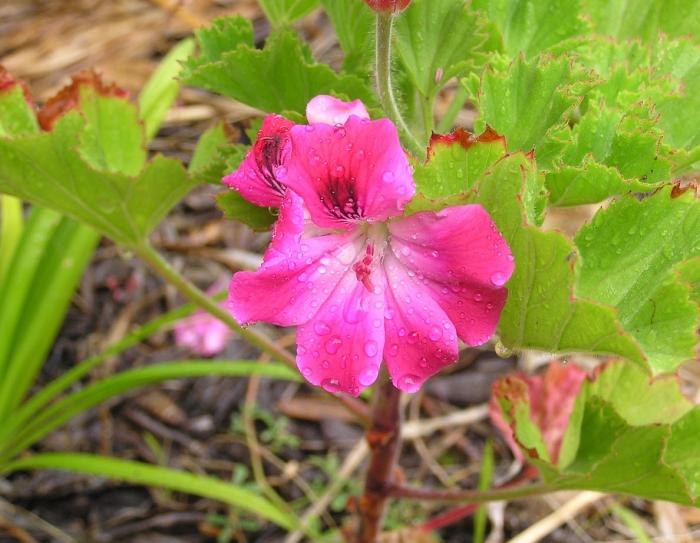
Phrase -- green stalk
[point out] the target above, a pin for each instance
(384, 87)
(167, 272)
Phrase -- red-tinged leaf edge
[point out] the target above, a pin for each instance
(464, 138)
(68, 98)
(7, 83)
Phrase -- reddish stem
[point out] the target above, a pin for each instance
(458, 513)
(384, 439)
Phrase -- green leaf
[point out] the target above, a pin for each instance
(528, 103)
(284, 12)
(533, 26)
(541, 312)
(16, 115)
(158, 476)
(50, 169)
(162, 88)
(646, 19)
(215, 156)
(280, 77)
(237, 208)
(438, 35)
(689, 273)
(628, 434)
(627, 257)
(113, 137)
(611, 152)
(353, 22)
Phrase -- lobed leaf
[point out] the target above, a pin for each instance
(628, 256)
(532, 26)
(438, 40)
(280, 77)
(353, 23)
(285, 12)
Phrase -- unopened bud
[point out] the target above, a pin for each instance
(393, 6)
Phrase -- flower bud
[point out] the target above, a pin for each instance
(393, 6)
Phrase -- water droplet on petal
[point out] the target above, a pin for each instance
(331, 385)
(306, 372)
(369, 375)
(412, 338)
(510, 258)
(423, 363)
(435, 333)
(388, 176)
(339, 170)
(321, 328)
(302, 277)
(281, 172)
(405, 251)
(371, 348)
(325, 364)
(478, 297)
(333, 344)
(498, 279)
(409, 383)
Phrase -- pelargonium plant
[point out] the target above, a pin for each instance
(415, 196)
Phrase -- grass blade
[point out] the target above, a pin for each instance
(158, 476)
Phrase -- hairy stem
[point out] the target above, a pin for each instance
(384, 87)
(384, 439)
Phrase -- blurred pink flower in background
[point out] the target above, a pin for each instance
(202, 333)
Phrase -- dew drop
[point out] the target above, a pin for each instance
(409, 383)
(369, 375)
(435, 333)
(388, 176)
(302, 277)
(321, 328)
(423, 363)
(371, 348)
(478, 297)
(325, 364)
(321, 269)
(333, 344)
(331, 385)
(412, 338)
(339, 170)
(306, 372)
(498, 279)
(510, 258)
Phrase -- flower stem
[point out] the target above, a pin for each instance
(384, 87)
(471, 496)
(384, 439)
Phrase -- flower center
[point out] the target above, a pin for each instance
(376, 235)
(268, 156)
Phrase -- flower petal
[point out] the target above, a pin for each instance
(297, 275)
(456, 244)
(340, 348)
(257, 177)
(463, 260)
(474, 310)
(420, 339)
(330, 110)
(351, 173)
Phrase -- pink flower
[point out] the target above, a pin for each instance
(551, 397)
(362, 283)
(257, 177)
(202, 333)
